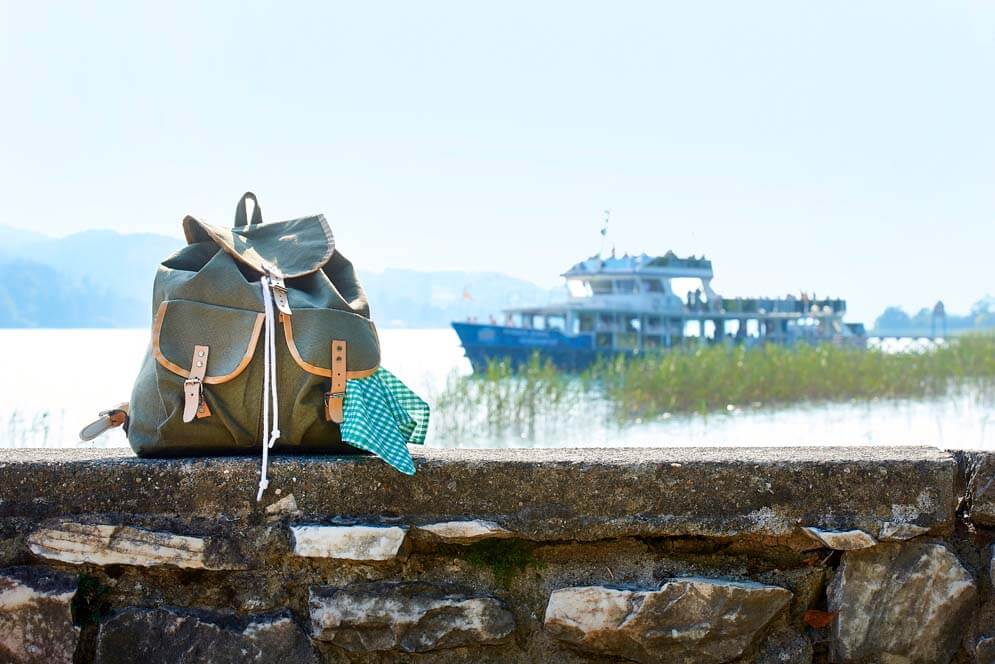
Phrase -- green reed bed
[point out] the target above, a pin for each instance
(706, 379)
(712, 378)
(504, 400)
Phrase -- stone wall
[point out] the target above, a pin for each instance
(650, 555)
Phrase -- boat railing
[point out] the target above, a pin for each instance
(790, 305)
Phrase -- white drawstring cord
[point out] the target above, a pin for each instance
(269, 385)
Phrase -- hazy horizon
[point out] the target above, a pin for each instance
(841, 149)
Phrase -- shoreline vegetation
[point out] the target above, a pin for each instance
(706, 379)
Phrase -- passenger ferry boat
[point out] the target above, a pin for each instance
(629, 306)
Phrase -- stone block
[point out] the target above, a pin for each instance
(285, 506)
(171, 636)
(900, 532)
(979, 492)
(841, 540)
(36, 623)
(348, 542)
(900, 602)
(540, 494)
(686, 621)
(465, 532)
(410, 617)
(106, 544)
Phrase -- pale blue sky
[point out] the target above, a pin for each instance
(845, 148)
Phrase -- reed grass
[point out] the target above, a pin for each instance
(713, 378)
(507, 401)
(707, 379)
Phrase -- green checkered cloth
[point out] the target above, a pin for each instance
(381, 415)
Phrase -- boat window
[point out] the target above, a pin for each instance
(652, 286)
(685, 288)
(556, 323)
(651, 341)
(601, 286)
(632, 324)
(603, 340)
(625, 286)
(587, 322)
(652, 321)
(579, 288)
(606, 321)
(626, 341)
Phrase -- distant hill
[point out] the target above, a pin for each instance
(15, 238)
(36, 295)
(103, 278)
(407, 298)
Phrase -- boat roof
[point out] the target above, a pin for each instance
(668, 265)
(562, 308)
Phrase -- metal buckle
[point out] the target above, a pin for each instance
(333, 395)
(200, 386)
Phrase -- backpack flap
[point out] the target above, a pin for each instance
(310, 332)
(229, 335)
(294, 248)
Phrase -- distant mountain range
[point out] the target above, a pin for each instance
(103, 278)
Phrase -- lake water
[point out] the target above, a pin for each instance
(57, 380)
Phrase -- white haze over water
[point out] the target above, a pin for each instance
(57, 380)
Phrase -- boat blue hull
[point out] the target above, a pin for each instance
(485, 343)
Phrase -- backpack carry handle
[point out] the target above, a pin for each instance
(240, 215)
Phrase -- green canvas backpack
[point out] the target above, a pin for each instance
(262, 339)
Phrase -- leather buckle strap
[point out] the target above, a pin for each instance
(194, 404)
(280, 295)
(336, 395)
(279, 289)
(108, 419)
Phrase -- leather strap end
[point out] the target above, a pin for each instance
(108, 419)
(334, 399)
(194, 405)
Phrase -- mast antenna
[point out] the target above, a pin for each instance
(604, 233)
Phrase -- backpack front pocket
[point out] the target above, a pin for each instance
(208, 351)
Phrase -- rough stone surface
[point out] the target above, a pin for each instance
(984, 650)
(36, 624)
(907, 602)
(786, 646)
(841, 540)
(466, 532)
(348, 542)
(979, 492)
(687, 620)
(105, 544)
(170, 636)
(615, 519)
(411, 617)
(900, 532)
(550, 494)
